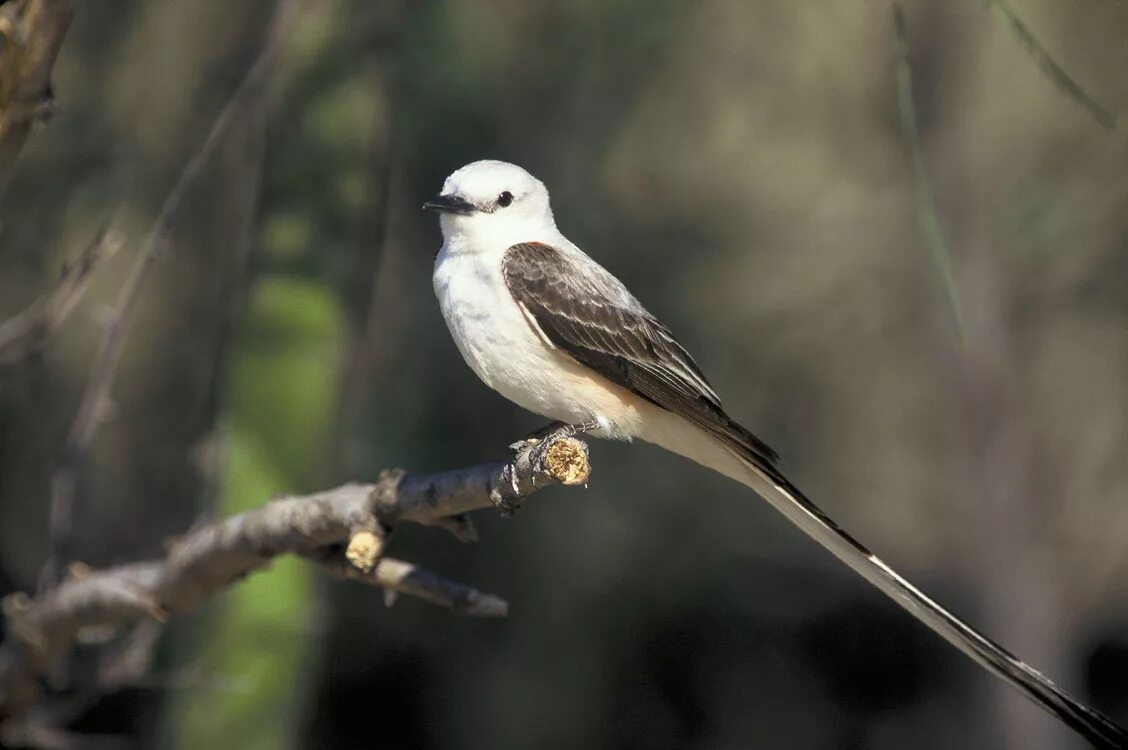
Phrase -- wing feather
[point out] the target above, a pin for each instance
(597, 322)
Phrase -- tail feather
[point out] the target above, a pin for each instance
(1094, 726)
(737, 463)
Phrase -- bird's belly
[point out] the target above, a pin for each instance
(510, 356)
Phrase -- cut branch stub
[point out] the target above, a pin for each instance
(538, 463)
(364, 549)
(566, 461)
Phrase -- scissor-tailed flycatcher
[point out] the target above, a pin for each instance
(548, 328)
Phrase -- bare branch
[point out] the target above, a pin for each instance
(104, 369)
(317, 527)
(23, 335)
(31, 33)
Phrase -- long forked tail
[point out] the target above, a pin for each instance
(731, 460)
(1094, 726)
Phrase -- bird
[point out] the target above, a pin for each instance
(543, 324)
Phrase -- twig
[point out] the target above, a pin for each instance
(317, 527)
(23, 335)
(32, 32)
(410, 579)
(927, 215)
(104, 369)
(1050, 67)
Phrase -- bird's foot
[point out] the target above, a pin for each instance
(538, 445)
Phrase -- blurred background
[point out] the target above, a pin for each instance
(742, 167)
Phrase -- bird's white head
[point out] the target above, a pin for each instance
(492, 204)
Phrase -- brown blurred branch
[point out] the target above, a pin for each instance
(32, 32)
(342, 529)
(23, 335)
(104, 369)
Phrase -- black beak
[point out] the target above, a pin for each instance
(449, 204)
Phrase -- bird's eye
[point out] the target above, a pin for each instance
(505, 199)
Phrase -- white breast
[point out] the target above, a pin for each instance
(509, 355)
(482, 318)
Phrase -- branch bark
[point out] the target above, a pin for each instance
(343, 530)
(33, 32)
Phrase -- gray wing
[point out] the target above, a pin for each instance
(589, 315)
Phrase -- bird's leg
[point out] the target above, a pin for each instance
(553, 431)
(571, 430)
(540, 435)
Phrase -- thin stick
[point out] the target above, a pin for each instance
(1050, 67)
(23, 335)
(927, 215)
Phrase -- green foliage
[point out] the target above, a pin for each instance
(281, 392)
